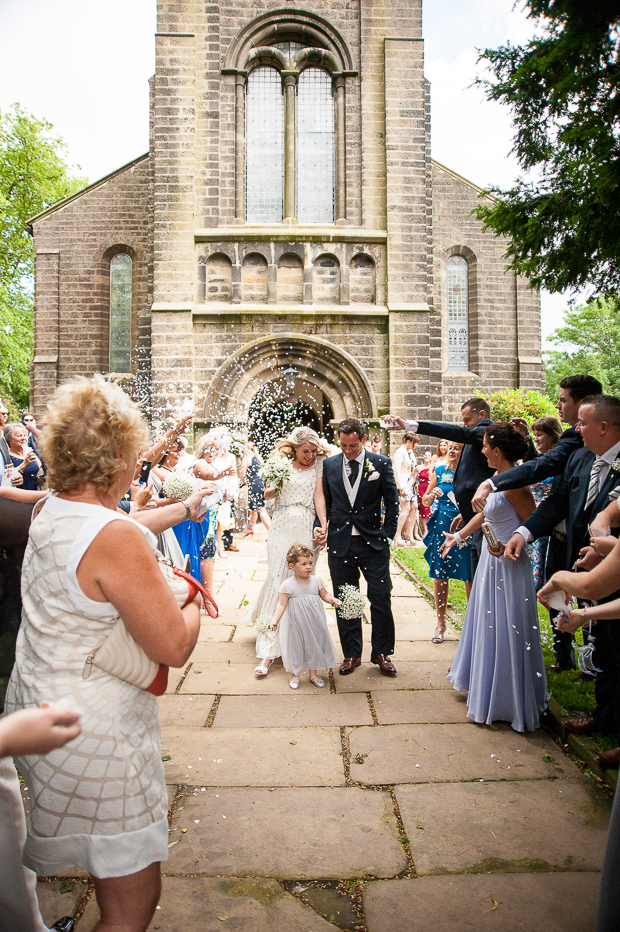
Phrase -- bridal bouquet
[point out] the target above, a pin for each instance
(353, 602)
(263, 624)
(179, 485)
(275, 471)
(237, 445)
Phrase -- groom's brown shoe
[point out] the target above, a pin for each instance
(348, 665)
(386, 667)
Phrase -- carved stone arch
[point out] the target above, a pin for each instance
(319, 363)
(326, 279)
(319, 58)
(266, 55)
(277, 25)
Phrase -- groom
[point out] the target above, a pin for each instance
(354, 484)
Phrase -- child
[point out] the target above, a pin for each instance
(304, 637)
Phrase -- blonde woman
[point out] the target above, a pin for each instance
(295, 507)
(99, 803)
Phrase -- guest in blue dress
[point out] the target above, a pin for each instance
(22, 456)
(499, 660)
(457, 563)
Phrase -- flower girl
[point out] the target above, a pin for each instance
(304, 637)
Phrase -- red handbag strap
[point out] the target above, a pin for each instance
(208, 600)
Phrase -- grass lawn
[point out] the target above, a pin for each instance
(566, 687)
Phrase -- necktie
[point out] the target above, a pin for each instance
(355, 468)
(595, 472)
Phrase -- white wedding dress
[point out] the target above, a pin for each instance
(292, 523)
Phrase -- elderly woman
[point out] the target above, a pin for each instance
(23, 457)
(295, 507)
(100, 802)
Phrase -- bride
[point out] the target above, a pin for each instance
(295, 506)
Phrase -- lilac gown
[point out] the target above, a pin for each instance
(499, 660)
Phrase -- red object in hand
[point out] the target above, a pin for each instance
(194, 588)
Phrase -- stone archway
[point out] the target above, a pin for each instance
(321, 366)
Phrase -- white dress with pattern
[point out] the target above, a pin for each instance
(292, 523)
(100, 801)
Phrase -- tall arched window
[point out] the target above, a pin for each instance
(264, 146)
(457, 313)
(120, 313)
(315, 146)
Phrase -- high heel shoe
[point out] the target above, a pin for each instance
(262, 670)
(249, 532)
(438, 638)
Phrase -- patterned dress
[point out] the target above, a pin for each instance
(99, 802)
(292, 523)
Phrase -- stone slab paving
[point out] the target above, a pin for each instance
(297, 791)
(484, 903)
(505, 826)
(448, 753)
(337, 833)
(55, 904)
(292, 711)
(253, 757)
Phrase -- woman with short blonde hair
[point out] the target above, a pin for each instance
(100, 803)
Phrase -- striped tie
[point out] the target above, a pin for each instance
(598, 464)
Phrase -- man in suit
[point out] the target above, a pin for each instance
(573, 389)
(472, 467)
(591, 475)
(355, 483)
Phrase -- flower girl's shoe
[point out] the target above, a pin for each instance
(294, 682)
(317, 681)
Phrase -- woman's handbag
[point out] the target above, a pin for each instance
(120, 654)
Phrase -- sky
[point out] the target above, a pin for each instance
(85, 65)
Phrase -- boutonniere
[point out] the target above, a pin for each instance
(615, 466)
(371, 472)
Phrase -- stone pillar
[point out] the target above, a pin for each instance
(240, 81)
(290, 84)
(340, 192)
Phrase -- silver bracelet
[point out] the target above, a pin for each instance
(188, 511)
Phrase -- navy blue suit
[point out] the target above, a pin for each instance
(549, 464)
(368, 552)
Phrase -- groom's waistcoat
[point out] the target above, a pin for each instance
(376, 485)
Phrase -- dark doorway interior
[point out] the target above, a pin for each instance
(274, 412)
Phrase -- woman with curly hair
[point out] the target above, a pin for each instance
(99, 803)
(499, 660)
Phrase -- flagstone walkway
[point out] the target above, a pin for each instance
(373, 804)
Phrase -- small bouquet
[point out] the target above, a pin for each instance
(263, 624)
(353, 602)
(275, 471)
(179, 485)
(237, 445)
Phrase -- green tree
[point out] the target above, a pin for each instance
(592, 332)
(563, 90)
(519, 402)
(33, 175)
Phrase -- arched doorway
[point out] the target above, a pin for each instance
(275, 411)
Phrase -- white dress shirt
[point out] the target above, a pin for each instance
(347, 466)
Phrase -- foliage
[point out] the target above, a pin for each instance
(519, 402)
(562, 89)
(33, 175)
(593, 330)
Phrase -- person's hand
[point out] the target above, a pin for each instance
(38, 731)
(572, 622)
(603, 545)
(447, 545)
(456, 524)
(29, 457)
(336, 603)
(519, 424)
(588, 559)
(194, 501)
(320, 535)
(512, 550)
(17, 478)
(141, 495)
(497, 553)
(480, 498)
(393, 422)
(182, 423)
(601, 526)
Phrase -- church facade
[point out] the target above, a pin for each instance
(288, 235)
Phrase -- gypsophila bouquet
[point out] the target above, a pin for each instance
(275, 471)
(263, 624)
(179, 485)
(237, 445)
(353, 602)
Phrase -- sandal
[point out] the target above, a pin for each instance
(438, 638)
(249, 532)
(262, 670)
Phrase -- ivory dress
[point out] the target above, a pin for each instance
(292, 523)
(99, 802)
(304, 635)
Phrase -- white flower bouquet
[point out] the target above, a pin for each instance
(353, 602)
(179, 485)
(237, 445)
(275, 471)
(263, 624)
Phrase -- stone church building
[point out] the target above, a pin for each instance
(288, 235)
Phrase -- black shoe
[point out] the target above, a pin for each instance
(66, 924)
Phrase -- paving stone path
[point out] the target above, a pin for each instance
(373, 804)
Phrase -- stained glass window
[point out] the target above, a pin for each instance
(315, 147)
(120, 313)
(458, 314)
(264, 135)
